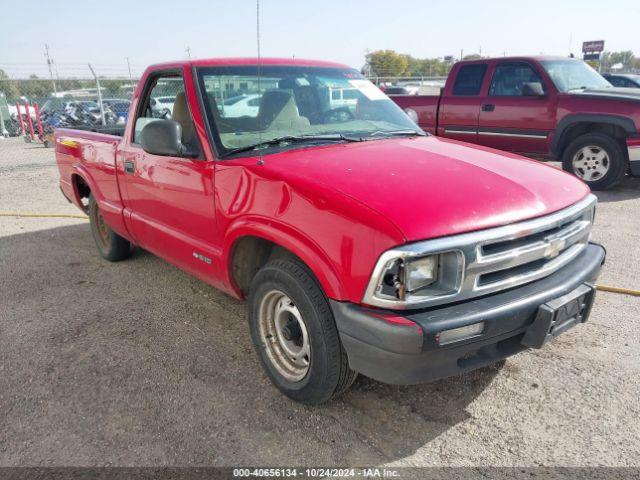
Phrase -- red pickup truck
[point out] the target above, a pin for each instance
(541, 106)
(362, 244)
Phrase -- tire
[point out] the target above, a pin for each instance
(111, 246)
(284, 293)
(597, 159)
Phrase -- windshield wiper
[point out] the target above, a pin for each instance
(288, 139)
(393, 133)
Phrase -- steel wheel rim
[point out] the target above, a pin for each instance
(284, 335)
(591, 163)
(102, 228)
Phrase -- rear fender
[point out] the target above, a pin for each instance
(112, 212)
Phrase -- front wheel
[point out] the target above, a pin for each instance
(597, 159)
(295, 335)
(111, 246)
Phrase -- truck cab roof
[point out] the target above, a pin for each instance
(236, 61)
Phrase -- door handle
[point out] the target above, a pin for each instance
(488, 107)
(129, 167)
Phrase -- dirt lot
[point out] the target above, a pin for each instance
(137, 363)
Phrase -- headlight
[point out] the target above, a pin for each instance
(421, 272)
(402, 278)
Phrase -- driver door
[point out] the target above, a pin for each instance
(510, 119)
(169, 200)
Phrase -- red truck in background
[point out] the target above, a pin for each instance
(542, 106)
(362, 244)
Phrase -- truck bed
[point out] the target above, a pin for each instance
(94, 154)
(116, 130)
(425, 106)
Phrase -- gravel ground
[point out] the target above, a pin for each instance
(137, 363)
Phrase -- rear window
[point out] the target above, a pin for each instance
(469, 79)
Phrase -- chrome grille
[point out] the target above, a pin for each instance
(498, 258)
(531, 256)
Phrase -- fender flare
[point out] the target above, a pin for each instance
(558, 138)
(286, 237)
(80, 170)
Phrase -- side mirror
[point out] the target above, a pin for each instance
(164, 137)
(533, 89)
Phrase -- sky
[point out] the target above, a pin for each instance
(106, 33)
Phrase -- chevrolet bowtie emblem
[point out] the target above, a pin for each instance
(554, 248)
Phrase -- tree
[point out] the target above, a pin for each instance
(112, 87)
(387, 63)
(8, 87)
(626, 58)
(36, 89)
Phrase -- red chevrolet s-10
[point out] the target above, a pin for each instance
(362, 244)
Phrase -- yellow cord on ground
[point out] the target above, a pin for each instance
(625, 291)
(42, 215)
(603, 288)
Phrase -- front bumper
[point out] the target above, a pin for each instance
(402, 348)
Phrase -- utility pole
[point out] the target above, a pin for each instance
(129, 68)
(49, 64)
(461, 54)
(99, 94)
(188, 50)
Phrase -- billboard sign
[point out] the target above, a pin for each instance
(593, 46)
(591, 56)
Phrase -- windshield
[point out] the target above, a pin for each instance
(295, 101)
(568, 75)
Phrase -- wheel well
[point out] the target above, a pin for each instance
(250, 254)
(82, 190)
(580, 128)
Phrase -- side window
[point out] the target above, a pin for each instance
(469, 79)
(509, 79)
(613, 81)
(625, 83)
(166, 93)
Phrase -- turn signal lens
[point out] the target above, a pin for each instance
(463, 333)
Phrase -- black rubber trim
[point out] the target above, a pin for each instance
(362, 323)
(571, 119)
(634, 166)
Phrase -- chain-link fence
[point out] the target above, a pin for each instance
(33, 107)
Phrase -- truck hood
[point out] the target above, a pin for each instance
(431, 187)
(613, 93)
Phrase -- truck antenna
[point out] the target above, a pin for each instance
(260, 159)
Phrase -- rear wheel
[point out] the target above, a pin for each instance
(295, 335)
(597, 159)
(111, 246)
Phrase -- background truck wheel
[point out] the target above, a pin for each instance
(111, 246)
(597, 159)
(295, 335)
